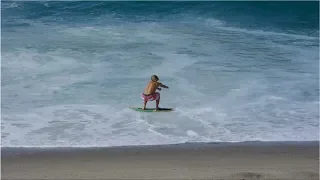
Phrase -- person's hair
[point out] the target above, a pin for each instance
(154, 78)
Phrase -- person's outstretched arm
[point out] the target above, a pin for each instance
(162, 85)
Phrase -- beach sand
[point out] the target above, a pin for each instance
(241, 161)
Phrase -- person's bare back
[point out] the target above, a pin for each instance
(151, 88)
(150, 94)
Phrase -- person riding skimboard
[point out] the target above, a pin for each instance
(150, 93)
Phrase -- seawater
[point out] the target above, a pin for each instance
(236, 71)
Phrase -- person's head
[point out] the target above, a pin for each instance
(154, 78)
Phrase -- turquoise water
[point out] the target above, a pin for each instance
(237, 71)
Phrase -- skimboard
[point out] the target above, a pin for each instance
(151, 109)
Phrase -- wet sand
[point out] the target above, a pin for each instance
(241, 161)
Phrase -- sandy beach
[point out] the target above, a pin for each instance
(252, 160)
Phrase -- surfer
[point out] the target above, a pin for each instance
(150, 93)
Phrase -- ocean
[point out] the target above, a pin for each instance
(236, 71)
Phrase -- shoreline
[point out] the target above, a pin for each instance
(7, 150)
(243, 160)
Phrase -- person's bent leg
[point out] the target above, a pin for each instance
(157, 104)
(145, 104)
(157, 100)
(145, 100)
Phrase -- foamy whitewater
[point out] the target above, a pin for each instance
(236, 71)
